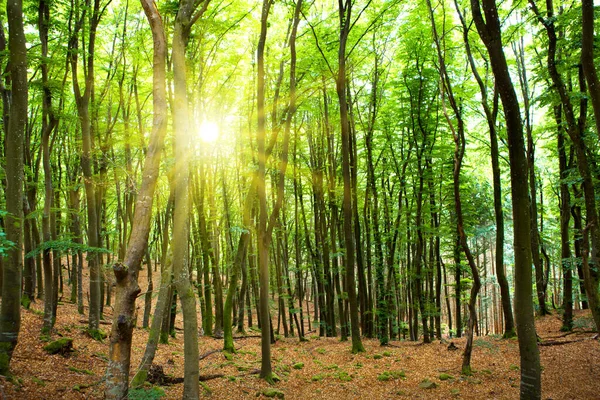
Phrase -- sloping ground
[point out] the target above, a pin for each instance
(319, 368)
(316, 369)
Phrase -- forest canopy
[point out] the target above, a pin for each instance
(363, 168)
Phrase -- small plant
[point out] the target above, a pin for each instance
(81, 371)
(273, 393)
(317, 378)
(387, 354)
(513, 367)
(207, 390)
(97, 334)
(38, 381)
(321, 350)
(444, 376)
(389, 375)
(343, 376)
(377, 356)
(298, 365)
(152, 393)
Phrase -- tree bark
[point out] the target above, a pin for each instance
(10, 311)
(126, 273)
(490, 33)
(345, 13)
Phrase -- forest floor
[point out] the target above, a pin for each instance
(316, 369)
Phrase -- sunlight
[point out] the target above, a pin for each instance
(208, 132)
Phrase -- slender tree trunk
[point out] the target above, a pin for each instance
(345, 13)
(126, 273)
(489, 31)
(565, 217)
(266, 371)
(587, 57)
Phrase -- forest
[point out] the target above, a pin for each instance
(299, 198)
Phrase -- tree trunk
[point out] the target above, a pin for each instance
(126, 274)
(10, 312)
(489, 31)
(345, 13)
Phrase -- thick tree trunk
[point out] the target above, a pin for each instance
(10, 312)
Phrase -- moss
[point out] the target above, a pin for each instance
(466, 370)
(389, 375)
(81, 371)
(207, 390)
(228, 356)
(377, 356)
(509, 334)
(343, 376)
(62, 346)
(164, 338)
(444, 376)
(387, 354)
(25, 302)
(152, 393)
(272, 393)
(271, 378)
(38, 381)
(317, 378)
(5, 351)
(298, 365)
(427, 384)
(97, 334)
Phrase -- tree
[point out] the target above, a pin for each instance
(126, 273)
(345, 23)
(490, 32)
(189, 12)
(10, 311)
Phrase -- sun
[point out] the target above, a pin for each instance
(208, 132)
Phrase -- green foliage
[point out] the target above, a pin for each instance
(207, 390)
(66, 247)
(343, 376)
(298, 365)
(81, 371)
(97, 334)
(389, 375)
(584, 322)
(444, 376)
(153, 393)
(318, 377)
(273, 393)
